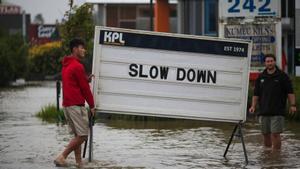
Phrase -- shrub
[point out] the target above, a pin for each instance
(13, 58)
(45, 59)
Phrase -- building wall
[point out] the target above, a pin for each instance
(288, 33)
(132, 16)
(13, 23)
(198, 17)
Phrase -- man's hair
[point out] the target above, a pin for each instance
(75, 43)
(270, 56)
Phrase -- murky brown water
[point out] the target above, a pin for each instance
(27, 142)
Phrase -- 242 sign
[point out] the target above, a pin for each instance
(249, 5)
(249, 8)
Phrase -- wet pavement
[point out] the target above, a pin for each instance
(28, 142)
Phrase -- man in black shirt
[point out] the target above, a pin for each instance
(272, 88)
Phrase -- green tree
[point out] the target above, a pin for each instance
(39, 19)
(13, 58)
(79, 24)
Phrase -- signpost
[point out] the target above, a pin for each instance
(256, 20)
(170, 75)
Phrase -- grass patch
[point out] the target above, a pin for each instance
(50, 114)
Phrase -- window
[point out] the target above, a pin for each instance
(210, 17)
(112, 16)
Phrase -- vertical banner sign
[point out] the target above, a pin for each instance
(255, 20)
(263, 37)
(297, 61)
(170, 75)
(297, 34)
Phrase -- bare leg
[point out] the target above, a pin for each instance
(73, 144)
(267, 140)
(276, 140)
(77, 153)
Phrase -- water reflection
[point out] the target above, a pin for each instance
(27, 142)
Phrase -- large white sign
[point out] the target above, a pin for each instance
(170, 75)
(249, 8)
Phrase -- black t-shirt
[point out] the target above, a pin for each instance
(272, 90)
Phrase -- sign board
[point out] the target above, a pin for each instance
(9, 9)
(249, 8)
(263, 37)
(170, 75)
(41, 34)
(46, 31)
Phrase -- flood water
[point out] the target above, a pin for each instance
(28, 142)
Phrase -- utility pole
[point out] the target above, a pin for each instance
(151, 15)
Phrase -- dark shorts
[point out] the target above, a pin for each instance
(271, 124)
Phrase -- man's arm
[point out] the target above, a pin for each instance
(84, 86)
(292, 102)
(253, 105)
(291, 95)
(255, 97)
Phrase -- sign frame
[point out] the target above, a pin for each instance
(99, 88)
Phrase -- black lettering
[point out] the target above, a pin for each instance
(212, 77)
(141, 72)
(164, 72)
(191, 75)
(201, 76)
(133, 70)
(153, 72)
(180, 78)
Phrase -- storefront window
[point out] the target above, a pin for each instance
(210, 17)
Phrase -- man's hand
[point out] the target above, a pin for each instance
(93, 112)
(252, 109)
(293, 110)
(253, 105)
(91, 76)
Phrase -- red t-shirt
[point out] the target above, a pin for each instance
(76, 89)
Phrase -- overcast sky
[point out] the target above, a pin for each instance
(51, 10)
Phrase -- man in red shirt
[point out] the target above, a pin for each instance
(76, 91)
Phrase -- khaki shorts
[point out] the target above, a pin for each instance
(78, 120)
(271, 124)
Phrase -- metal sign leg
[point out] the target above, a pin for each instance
(84, 149)
(243, 143)
(230, 140)
(91, 139)
(237, 131)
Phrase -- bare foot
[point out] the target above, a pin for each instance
(79, 165)
(60, 161)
